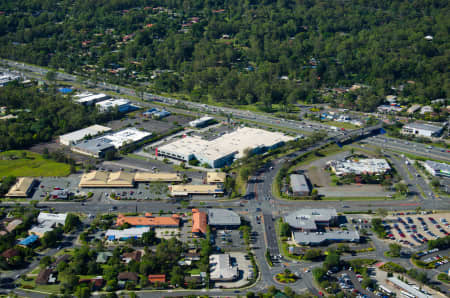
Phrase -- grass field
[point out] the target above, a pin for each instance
(27, 163)
(345, 125)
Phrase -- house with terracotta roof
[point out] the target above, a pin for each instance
(149, 221)
(96, 283)
(199, 223)
(154, 278)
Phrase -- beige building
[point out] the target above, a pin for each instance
(189, 189)
(157, 177)
(216, 177)
(125, 179)
(22, 188)
(105, 179)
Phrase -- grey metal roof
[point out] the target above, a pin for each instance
(94, 145)
(299, 183)
(407, 287)
(223, 217)
(308, 238)
(424, 126)
(306, 218)
(438, 166)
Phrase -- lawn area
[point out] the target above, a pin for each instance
(31, 285)
(345, 125)
(194, 271)
(15, 163)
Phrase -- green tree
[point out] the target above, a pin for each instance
(402, 188)
(285, 230)
(72, 223)
(394, 250)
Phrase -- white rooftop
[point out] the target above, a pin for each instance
(52, 217)
(221, 268)
(87, 97)
(232, 143)
(127, 233)
(307, 218)
(78, 135)
(359, 166)
(126, 136)
(111, 103)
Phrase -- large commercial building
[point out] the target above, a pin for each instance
(183, 190)
(157, 177)
(422, 129)
(437, 168)
(127, 136)
(149, 221)
(221, 268)
(88, 98)
(99, 146)
(94, 147)
(123, 105)
(309, 227)
(124, 179)
(106, 179)
(223, 218)
(311, 219)
(322, 238)
(22, 188)
(76, 136)
(369, 166)
(299, 185)
(223, 150)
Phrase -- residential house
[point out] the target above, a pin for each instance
(44, 276)
(102, 257)
(157, 278)
(128, 276)
(132, 256)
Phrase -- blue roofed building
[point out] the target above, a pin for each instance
(30, 240)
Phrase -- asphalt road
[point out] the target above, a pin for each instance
(305, 126)
(409, 147)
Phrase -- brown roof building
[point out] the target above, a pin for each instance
(43, 276)
(132, 256)
(10, 253)
(128, 276)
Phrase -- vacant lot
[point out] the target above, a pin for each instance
(27, 163)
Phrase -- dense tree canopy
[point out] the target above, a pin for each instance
(41, 116)
(241, 52)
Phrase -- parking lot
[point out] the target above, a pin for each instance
(414, 230)
(148, 124)
(228, 240)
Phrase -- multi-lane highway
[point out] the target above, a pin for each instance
(410, 147)
(264, 119)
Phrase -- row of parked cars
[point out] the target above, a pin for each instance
(411, 229)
